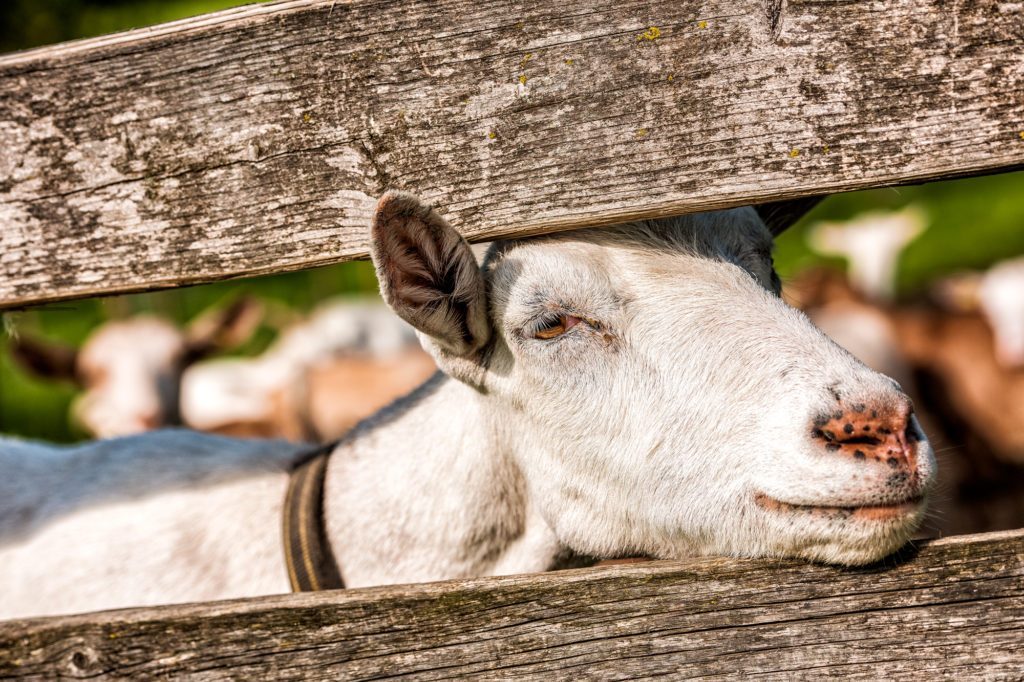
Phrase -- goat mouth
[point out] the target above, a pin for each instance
(866, 512)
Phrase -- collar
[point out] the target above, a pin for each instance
(311, 564)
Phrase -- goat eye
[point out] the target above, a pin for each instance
(555, 326)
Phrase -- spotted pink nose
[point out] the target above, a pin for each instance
(871, 433)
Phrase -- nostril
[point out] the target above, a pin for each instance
(862, 440)
(884, 434)
(844, 438)
(913, 432)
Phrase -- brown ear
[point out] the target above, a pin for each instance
(223, 328)
(428, 275)
(44, 359)
(781, 215)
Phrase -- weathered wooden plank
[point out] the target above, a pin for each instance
(256, 140)
(954, 609)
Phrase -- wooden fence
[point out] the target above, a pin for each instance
(953, 610)
(256, 140)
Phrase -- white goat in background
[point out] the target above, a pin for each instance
(872, 243)
(999, 294)
(348, 359)
(321, 376)
(130, 370)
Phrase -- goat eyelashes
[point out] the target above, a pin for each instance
(552, 325)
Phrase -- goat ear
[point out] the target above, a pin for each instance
(45, 360)
(778, 216)
(223, 328)
(429, 277)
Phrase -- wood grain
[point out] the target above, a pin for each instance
(256, 140)
(955, 609)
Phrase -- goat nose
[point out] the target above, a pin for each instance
(863, 431)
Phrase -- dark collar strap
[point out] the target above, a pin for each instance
(311, 564)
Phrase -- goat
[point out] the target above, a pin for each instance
(972, 407)
(639, 389)
(871, 243)
(130, 369)
(324, 374)
(998, 294)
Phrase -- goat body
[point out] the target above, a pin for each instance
(607, 392)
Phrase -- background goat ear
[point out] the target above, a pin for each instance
(222, 328)
(428, 275)
(44, 359)
(781, 215)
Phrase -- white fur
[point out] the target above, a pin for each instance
(218, 393)
(871, 243)
(651, 427)
(167, 516)
(1001, 296)
(130, 370)
(867, 332)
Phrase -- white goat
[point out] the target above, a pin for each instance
(871, 243)
(999, 294)
(279, 393)
(130, 369)
(632, 390)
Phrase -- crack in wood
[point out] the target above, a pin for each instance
(773, 10)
